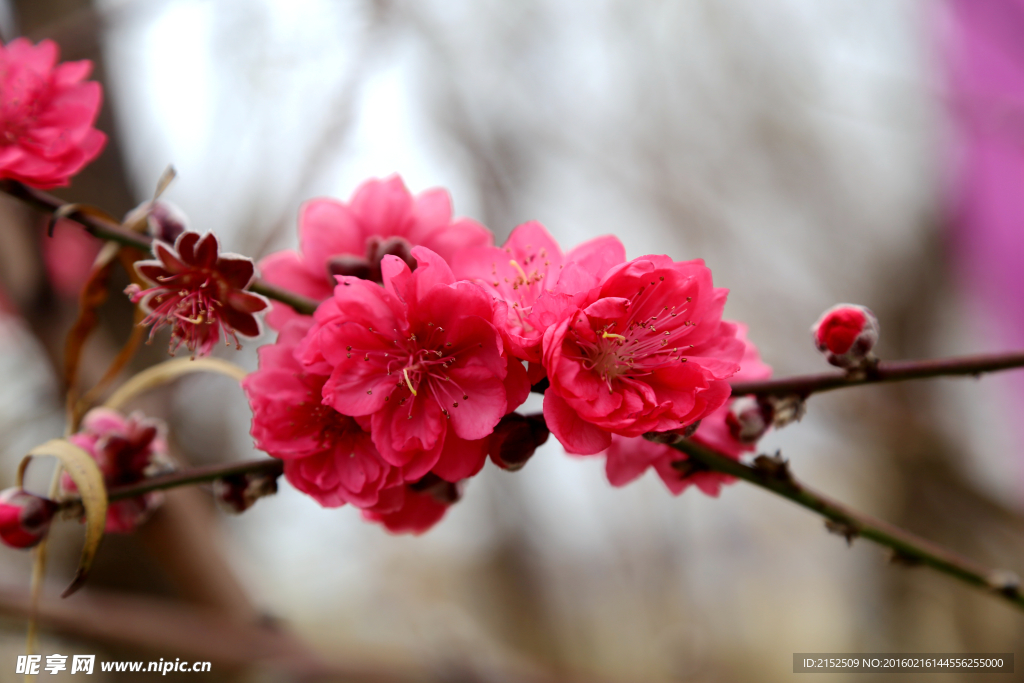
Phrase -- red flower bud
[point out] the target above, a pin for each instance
(846, 334)
(162, 219)
(515, 439)
(24, 518)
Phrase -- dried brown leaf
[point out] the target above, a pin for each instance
(87, 477)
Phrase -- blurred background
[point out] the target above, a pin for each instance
(811, 152)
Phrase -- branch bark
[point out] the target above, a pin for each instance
(772, 474)
(885, 371)
(769, 473)
(109, 230)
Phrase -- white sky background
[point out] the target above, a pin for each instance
(797, 193)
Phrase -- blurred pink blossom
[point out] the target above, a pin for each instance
(382, 218)
(47, 111)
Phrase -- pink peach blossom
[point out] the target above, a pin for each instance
(421, 358)
(629, 457)
(535, 281)
(47, 112)
(327, 455)
(646, 350)
(382, 218)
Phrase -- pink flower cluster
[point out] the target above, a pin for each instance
(47, 111)
(390, 396)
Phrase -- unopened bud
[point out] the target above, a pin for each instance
(346, 264)
(161, 219)
(784, 410)
(515, 440)
(24, 518)
(442, 491)
(747, 419)
(237, 493)
(846, 334)
(379, 247)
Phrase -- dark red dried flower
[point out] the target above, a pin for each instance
(199, 292)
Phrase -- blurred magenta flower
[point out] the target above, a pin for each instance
(382, 218)
(47, 112)
(127, 449)
(68, 256)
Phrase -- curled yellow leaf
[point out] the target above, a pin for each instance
(167, 371)
(87, 477)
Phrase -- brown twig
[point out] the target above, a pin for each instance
(196, 475)
(772, 474)
(885, 371)
(109, 230)
(799, 385)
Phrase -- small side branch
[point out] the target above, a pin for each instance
(109, 230)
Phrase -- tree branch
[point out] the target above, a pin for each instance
(772, 474)
(109, 230)
(800, 385)
(769, 473)
(196, 475)
(884, 371)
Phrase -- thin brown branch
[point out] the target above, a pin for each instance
(885, 371)
(109, 230)
(772, 474)
(196, 475)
